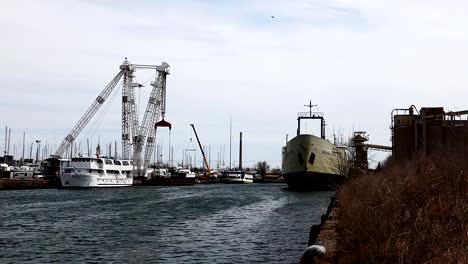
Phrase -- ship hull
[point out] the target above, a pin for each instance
(92, 181)
(312, 163)
(303, 181)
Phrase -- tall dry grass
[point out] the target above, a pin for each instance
(413, 212)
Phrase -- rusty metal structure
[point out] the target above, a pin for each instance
(429, 131)
(360, 156)
(361, 148)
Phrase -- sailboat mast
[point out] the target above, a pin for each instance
(9, 137)
(22, 156)
(230, 143)
(6, 140)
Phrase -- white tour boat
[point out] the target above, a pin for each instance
(83, 172)
(186, 173)
(237, 177)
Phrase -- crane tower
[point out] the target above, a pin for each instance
(134, 135)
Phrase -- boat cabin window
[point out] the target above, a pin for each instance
(113, 172)
(234, 175)
(68, 170)
(79, 160)
(109, 162)
(124, 162)
(117, 162)
(96, 171)
(99, 161)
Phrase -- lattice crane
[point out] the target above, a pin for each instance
(155, 109)
(132, 134)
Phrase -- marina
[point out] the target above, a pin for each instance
(70, 168)
(294, 131)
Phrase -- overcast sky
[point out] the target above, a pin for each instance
(357, 60)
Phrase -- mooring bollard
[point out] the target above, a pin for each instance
(312, 254)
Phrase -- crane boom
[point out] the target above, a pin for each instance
(88, 114)
(152, 114)
(208, 170)
(157, 111)
(129, 112)
(126, 122)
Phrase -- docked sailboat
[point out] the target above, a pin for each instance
(311, 162)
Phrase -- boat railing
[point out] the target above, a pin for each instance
(310, 114)
(74, 169)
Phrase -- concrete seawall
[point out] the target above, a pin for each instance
(17, 184)
(324, 234)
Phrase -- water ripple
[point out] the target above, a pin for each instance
(255, 223)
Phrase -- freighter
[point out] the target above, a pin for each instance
(311, 162)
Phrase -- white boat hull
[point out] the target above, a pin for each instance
(92, 181)
(237, 177)
(233, 181)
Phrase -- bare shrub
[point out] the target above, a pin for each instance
(413, 212)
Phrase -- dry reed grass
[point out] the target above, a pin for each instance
(413, 212)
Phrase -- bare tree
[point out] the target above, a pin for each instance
(263, 167)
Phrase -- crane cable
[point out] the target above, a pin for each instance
(91, 132)
(186, 149)
(139, 95)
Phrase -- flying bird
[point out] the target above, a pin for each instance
(272, 16)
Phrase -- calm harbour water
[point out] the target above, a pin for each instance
(251, 223)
